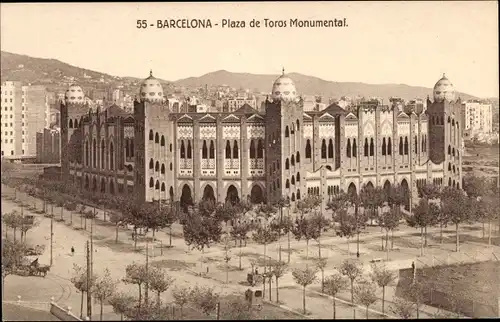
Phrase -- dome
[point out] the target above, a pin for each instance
(284, 88)
(151, 89)
(444, 90)
(74, 94)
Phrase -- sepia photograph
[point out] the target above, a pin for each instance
(249, 160)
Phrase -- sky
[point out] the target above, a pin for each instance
(411, 43)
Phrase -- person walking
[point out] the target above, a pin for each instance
(72, 251)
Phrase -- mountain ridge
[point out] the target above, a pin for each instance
(39, 70)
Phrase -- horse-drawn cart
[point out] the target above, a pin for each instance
(254, 297)
(33, 269)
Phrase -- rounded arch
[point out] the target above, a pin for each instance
(298, 194)
(151, 135)
(151, 182)
(292, 180)
(157, 138)
(257, 194)
(162, 186)
(151, 163)
(293, 196)
(186, 197)
(162, 168)
(157, 185)
(298, 177)
(387, 187)
(157, 166)
(103, 185)
(76, 124)
(208, 193)
(232, 194)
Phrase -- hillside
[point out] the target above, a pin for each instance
(310, 85)
(51, 71)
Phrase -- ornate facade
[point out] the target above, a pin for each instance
(158, 154)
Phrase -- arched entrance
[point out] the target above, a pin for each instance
(186, 198)
(256, 195)
(369, 186)
(387, 188)
(406, 193)
(351, 190)
(171, 192)
(208, 193)
(232, 195)
(87, 183)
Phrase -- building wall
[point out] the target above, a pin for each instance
(34, 105)
(477, 117)
(11, 118)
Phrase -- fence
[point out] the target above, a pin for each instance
(446, 300)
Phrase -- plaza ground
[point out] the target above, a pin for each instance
(186, 265)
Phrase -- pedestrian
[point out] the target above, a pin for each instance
(72, 251)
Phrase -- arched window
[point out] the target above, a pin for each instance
(212, 150)
(406, 145)
(287, 164)
(157, 138)
(389, 146)
(298, 176)
(453, 151)
(157, 185)
(76, 123)
(260, 150)
(151, 135)
(151, 182)
(449, 120)
(162, 168)
(372, 147)
(162, 186)
(277, 165)
(330, 149)
(384, 147)
(449, 166)
(293, 196)
(204, 150)
(189, 150)
(298, 192)
(157, 166)
(293, 180)
(252, 149)
(287, 184)
(416, 145)
(287, 133)
(94, 153)
(323, 149)
(70, 123)
(308, 149)
(298, 125)
(292, 160)
(348, 148)
(162, 141)
(131, 148)
(127, 148)
(354, 148)
(401, 151)
(366, 147)
(298, 157)
(235, 150)
(183, 150)
(87, 153)
(449, 149)
(151, 164)
(442, 120)
(111, 156)
(292, 130)
(103, 155)
(228, 150)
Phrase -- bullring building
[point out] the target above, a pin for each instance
(155, 153)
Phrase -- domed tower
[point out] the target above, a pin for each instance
(72, 108)
(151, 90)
(284, 114)
(445, 131)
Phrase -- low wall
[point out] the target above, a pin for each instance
(444, 300)
(63, 314)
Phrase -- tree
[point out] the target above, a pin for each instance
(205, 298)
(402, 308)
(159, 282)
(81, 283)
(240, 232)
(474, 186)
(282, 226)
(320, 263)
(181, 296)
(133, 214)
(304, 277)
(347, 226)
(383, 278)
(319, 225)
(13, 220)
(303, 229)
(13, 253)
(70, 205)
(227, 255)
(103, 288)
(264, 236)
(422, 217)
(332, 286)
(389, 220)
(121, 303)
(365, 294)
(278, 269)
(170, 214)
(117, 219)
(136, 274)
(491, 209)
(457, 208)
(415, 292)
(352, 270)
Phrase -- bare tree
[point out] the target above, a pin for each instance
(304, 277)
(332, 286)
(103, 288)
